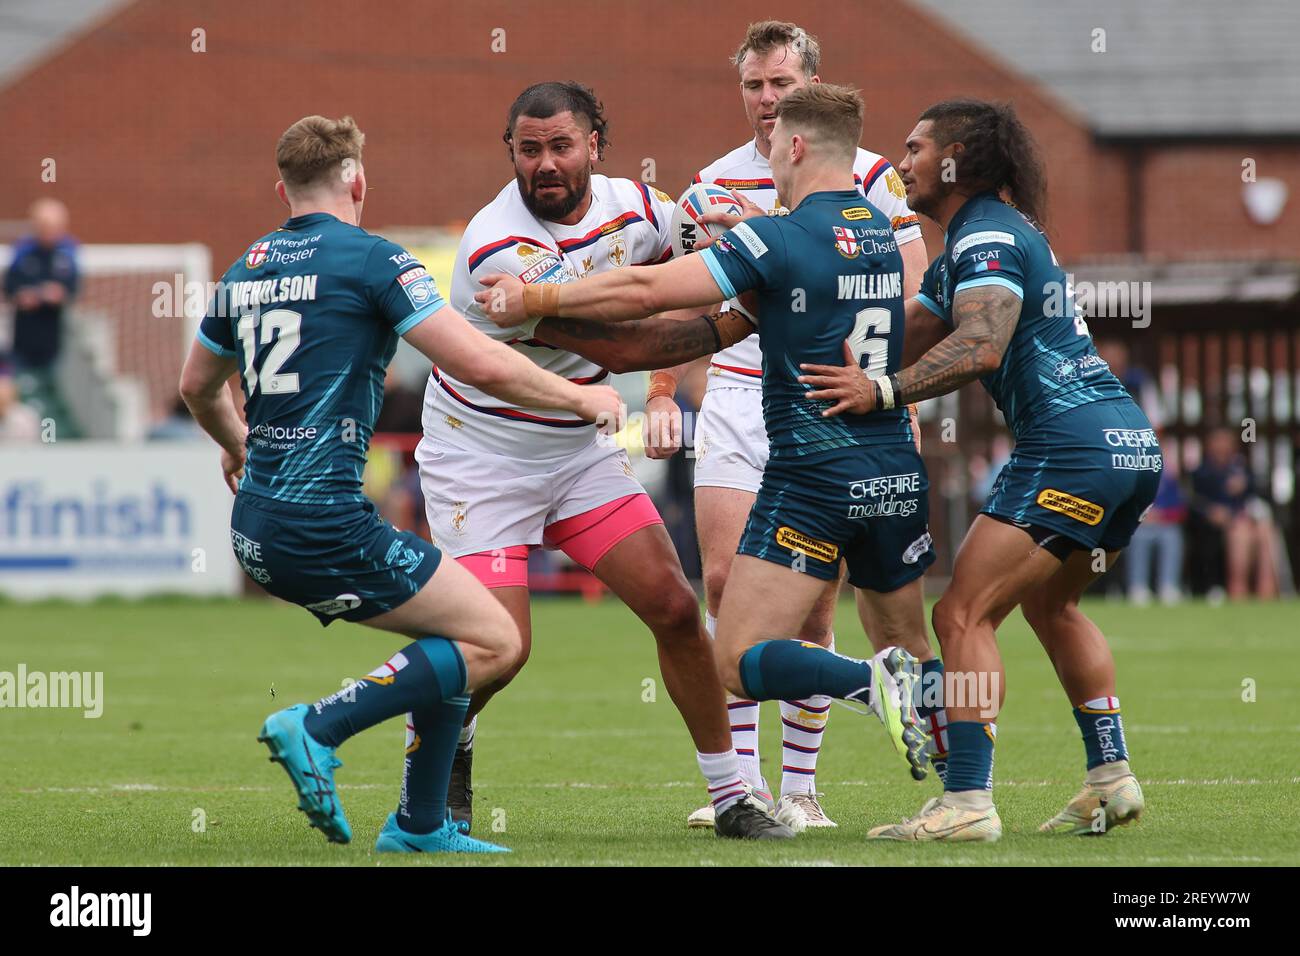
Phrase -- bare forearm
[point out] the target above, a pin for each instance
(644, 344)
(614, 296)
(515, 379)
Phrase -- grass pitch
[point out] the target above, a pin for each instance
(583, 760)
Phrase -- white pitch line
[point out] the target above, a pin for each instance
(665, 785)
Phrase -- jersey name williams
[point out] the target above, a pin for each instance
(870, 285)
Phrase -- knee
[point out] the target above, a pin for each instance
(676, 616)
(715, 580)
(950, 620)
(819, 625)
(501, 638)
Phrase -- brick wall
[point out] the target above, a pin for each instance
(157, 143)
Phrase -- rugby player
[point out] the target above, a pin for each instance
(774, 59)
(731, 443)
(499, 480)
(309, 317)
(996, 306)
(827, 273)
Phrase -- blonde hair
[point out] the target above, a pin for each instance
(315, 148)
(832, 114)
(769, 34)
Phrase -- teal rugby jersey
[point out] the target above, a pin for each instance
(827, 272)
(1051, 364)
(312, 311)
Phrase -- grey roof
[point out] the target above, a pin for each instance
(31, 30)
(1170, 68)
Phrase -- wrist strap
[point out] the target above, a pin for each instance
(662, 385)
(542, 300)
(885, 392)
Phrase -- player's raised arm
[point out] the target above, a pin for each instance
(451, 343)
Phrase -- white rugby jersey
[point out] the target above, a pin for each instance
(746, 171)
(627, 224)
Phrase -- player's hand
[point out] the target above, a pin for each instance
(663, 428)
(726, 220)
(845, 385)
(232, 469)
(53, 293)
(602, 405)
(503, 300)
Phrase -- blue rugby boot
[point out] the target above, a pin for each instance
(310, 765)
(448, 838)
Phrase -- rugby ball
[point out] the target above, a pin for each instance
(687, 229)
(694, 203)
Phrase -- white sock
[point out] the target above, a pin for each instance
(743, 715)
(803, 723)
(722, 771)
(467, 734)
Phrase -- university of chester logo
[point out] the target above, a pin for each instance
(846, 244)
(257, 254)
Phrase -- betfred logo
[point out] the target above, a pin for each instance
(410, 275)
(257, 254)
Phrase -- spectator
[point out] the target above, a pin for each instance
(1226, 498)
(1159, 541)
(18, 423)
(41, 280)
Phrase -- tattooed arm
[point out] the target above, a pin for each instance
(985, 318)
(644, 344)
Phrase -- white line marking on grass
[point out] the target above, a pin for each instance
(664, 785)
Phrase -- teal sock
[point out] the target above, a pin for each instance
(931, 710)
(431, 738)
(793, 670)
(1103, 731)
(970, 755)
(418, 676)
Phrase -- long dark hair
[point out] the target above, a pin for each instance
(998, 151)
(543, 100)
